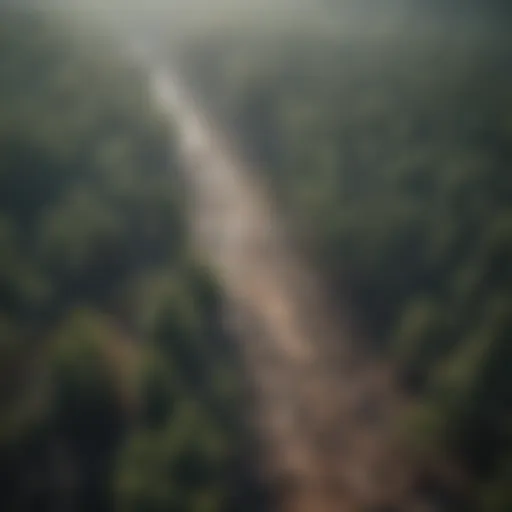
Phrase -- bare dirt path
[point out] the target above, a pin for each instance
(324, 413)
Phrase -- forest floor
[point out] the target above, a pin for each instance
(325, 411)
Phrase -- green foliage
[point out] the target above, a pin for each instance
(497, 495)
(421, 337)
(85, 402)
(173, 468)
(393, 154)
(111, 344)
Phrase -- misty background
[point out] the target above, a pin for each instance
(382, 130)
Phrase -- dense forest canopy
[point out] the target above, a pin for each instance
(392, 153)
(118, 387)
(387, 137)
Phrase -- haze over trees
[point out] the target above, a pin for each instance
(389, 144)
(391, 152)
(118, 385)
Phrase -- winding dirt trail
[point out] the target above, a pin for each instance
(324, 411)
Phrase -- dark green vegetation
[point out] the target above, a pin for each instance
(394, 155)
(118, 386)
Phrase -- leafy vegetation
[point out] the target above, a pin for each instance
(393, 154)
(118, 385)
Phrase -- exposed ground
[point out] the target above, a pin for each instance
(325, 411)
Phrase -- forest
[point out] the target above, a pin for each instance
(118, 383)
(389, 147)
(392, 152)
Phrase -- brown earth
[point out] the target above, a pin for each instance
(325, 410)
